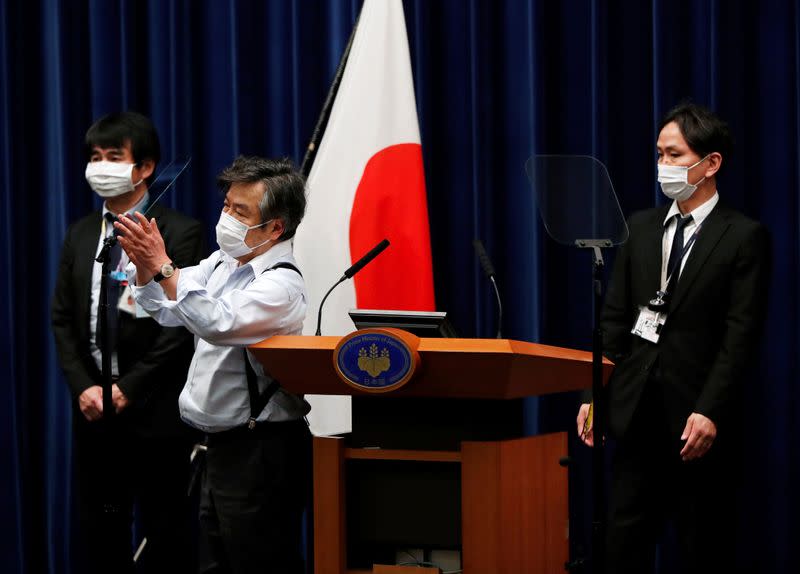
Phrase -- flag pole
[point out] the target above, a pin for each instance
(322, 121)
(305, 169)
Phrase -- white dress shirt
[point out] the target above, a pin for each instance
(699, 215)
(228, 307)
(105, 230)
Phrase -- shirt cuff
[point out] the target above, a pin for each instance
(149, 296)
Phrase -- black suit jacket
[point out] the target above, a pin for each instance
(153, 360)
(713, 324)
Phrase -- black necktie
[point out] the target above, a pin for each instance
(113, 290)
(674, 264)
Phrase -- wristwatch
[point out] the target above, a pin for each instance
(167, 270)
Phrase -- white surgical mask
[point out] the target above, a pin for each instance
(110, 178)
(231, 233)
(674, 180)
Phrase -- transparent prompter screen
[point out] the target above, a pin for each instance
(576, 199)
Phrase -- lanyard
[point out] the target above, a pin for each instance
(677, 265)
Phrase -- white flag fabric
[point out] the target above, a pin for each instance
(367, 183)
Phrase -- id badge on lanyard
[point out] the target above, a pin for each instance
(648, 324)
(126, 302)
(652, 318)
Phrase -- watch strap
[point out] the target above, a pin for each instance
(159, 277)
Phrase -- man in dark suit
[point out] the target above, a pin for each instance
(141, 455)
(681, 322)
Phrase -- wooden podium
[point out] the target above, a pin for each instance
(458, 425)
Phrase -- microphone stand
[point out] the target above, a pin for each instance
(598, 398)
(112, 509)
(102, 308)
(488, 270)
(318, 332)
(499, 308)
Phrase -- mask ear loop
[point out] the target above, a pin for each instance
(263, 242)
(692, 167)
(135, 185)
(267, 222)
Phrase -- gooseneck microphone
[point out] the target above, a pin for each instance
(488, 269)
(352, 270)
(358, 265)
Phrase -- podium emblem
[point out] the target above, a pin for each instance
(377, 360)
(373, 363)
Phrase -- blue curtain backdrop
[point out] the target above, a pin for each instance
(496, 81)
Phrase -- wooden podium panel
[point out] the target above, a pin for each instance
(329, 506)
(454, 368)
(514, 504)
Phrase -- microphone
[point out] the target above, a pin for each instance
(352, 270)
(373, 253)
(486, 263)
(488, 269)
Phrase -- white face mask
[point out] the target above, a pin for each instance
(231, 233)
(674, 180)
(110, 178)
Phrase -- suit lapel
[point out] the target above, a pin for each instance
(652, 244)
(85, 252)
(713, 229)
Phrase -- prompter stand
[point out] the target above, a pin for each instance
(107, 342)
(598, 405)
(160, 185)
(112, 508)
(579, 208)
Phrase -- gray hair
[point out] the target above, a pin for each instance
(284, 188)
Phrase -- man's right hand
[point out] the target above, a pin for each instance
(585, 432)
(91, 403)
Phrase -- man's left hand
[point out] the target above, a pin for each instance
(118, 399)
(144, 245)
(699, 434)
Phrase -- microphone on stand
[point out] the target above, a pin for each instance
(352, 270)
(488, 269)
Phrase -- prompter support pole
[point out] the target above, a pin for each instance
(106, 345)
(111, 506)
(599, 401)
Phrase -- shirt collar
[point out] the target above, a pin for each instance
(138, 207)
(699, 214)
(279, 251)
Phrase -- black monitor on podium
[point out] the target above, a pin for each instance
(420, 323)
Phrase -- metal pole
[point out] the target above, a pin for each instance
(599, 406)
(322, 121)
(598, 395)
(106, 344)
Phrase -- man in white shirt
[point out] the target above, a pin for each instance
(258, 459)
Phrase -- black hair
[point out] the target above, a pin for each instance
(284, 188)
(113, 130)
(702, 129)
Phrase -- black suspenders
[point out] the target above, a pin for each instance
(259, 400)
